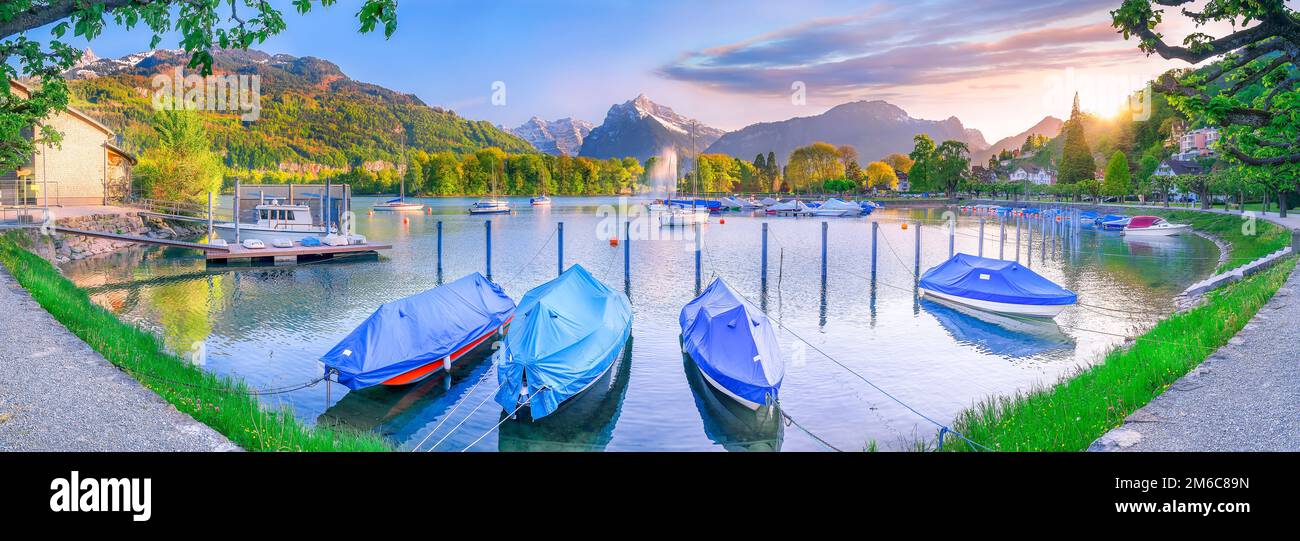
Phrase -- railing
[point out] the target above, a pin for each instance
(176, 208)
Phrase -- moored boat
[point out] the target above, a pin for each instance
(275, 221)
(734, 345)
(490, 206)
(995, 285)
(837, 207)
(566, 335)
(683, 216)
(540, 201)
(791, 207)
(1153, 226)
(398, 205)
(410, 339)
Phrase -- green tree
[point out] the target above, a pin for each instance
(922, 157)
(951, 166)
(812, 165)
(182, 166)
(1251, 90)
(1076, 162)
(1118, 180)
(201, 25)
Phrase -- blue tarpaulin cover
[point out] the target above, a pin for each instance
(409, 333)
(733, 343)
(566, 334)
(994, 280)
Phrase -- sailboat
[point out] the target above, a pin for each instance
(491, 205)
(399, 204)
(678, 214)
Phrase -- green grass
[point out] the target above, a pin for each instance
(219, 402)
(1073, 413)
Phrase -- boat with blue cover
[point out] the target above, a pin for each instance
(1112, 222)
(410, 339)
(1004, 287)
(734, 345)
(565, 337)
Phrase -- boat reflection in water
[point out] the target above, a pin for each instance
(582, 423)
(399, 412)
(999, 334)
(730, 424)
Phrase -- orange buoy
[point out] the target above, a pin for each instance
(722, 220)
(405, 220)
(613, 241)
(1058, 218)
(904, 225)
(371, 213)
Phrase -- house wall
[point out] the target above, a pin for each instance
(77, 168)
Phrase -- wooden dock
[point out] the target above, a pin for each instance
(298, 252)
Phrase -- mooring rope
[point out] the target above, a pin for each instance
(462, 422)
(506, 418)
(790, 421)
(860, 376)
(459, 403)
(530, 262)
(232, 389)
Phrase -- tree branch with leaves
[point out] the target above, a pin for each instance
(203, 25)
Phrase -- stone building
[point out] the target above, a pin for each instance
(87, 168)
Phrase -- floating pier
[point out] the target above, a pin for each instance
(298, 252)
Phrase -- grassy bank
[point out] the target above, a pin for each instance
(219, 402)
(1073, 413)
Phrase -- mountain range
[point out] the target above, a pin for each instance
(313, 116)
(563, 136)
(1049, 126)
(643, 128)
(874, 128)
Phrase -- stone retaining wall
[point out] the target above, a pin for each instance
(64, 247)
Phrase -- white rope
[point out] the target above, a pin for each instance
(504, 419)
(445, 418)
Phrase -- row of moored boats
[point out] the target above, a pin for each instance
(1138, 226)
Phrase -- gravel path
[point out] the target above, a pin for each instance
(1245, 397)
(57, 394)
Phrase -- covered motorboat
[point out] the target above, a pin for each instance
(409, 339)
(995, 285)
(1112, 222)
(793, 206)
(734, 345)
(769, 201)
(566, 335)
(1153, 226)
(837, 207)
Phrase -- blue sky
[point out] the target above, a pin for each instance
(990, 63)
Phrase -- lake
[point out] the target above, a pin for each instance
(269, 325)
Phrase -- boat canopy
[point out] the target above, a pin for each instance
(733, 343)
(838, 204)
(1143, 221)
(994, 280)
(706, 203)
(409, 333)
(566, 334)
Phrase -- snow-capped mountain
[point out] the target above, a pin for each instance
(563, 136)
(874, 128)
(643, 128)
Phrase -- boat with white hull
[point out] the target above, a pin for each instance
(1153, 226)
(994, 285)
(275, 221)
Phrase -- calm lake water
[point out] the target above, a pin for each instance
(269, 325)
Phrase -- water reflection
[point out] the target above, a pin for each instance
(583, 423)
(729, 424)
(1007, 336)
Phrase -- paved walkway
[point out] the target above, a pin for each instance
(1292, 220)
(57, 394)
(1245, 397)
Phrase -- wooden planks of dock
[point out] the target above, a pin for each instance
(297, 251)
